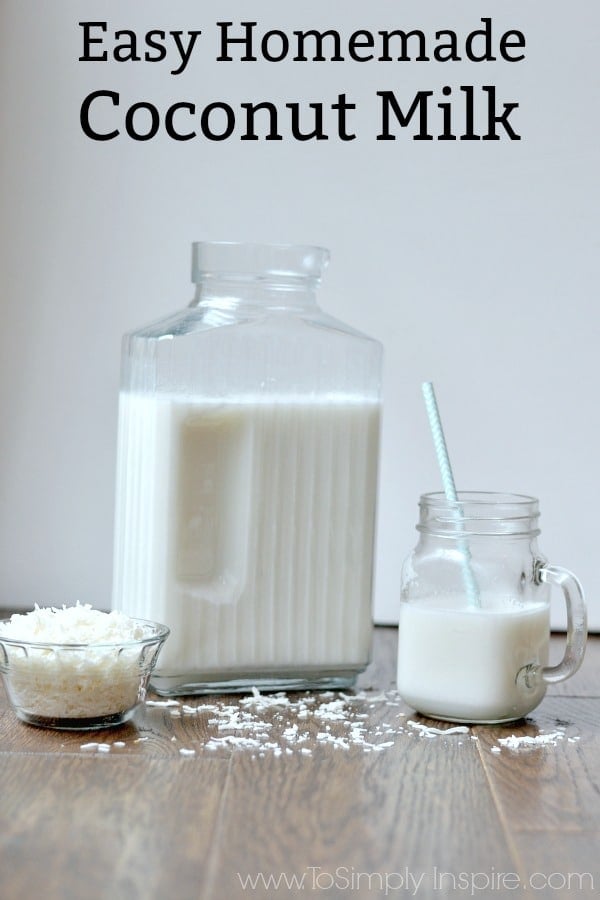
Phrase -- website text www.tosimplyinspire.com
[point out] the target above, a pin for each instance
(404, 881)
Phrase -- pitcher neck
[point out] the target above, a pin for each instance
(272, 276)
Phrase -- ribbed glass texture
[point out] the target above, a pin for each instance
(247, 476)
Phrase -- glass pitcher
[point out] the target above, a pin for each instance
(474, 621)
(247, 478)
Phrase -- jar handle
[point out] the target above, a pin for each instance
(529, 676)
(576, 622)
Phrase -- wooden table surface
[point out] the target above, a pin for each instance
(298, 800)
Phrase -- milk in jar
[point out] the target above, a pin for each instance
(461, 662)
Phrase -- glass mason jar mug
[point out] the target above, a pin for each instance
(247, 477)
(474, 621)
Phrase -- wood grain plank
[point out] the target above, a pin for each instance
(564, 867)
(422, 805)
(119, 828)
(548, 788)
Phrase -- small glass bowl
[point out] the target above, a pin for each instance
(79, 687)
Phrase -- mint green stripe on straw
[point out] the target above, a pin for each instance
(439, 442)
(441, 451)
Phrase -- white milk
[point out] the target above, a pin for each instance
(461, 663)
(247, 528)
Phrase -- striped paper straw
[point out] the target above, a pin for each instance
(441, 451)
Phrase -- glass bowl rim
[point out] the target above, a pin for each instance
(160, 632)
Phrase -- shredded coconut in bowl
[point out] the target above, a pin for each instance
(77, 667)
(72, 625)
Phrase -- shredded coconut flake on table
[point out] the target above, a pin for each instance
(430, 732)
(539, 740)
(280, 724)
(164, 703)
(94, 745)
(265, 701)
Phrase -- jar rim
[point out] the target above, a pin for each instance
(236, 260)
(479, 498)
(479, 513)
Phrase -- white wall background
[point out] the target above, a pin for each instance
(474, 263)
